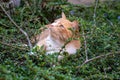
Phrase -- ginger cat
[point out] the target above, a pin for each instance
(57, 33)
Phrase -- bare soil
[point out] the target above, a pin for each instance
(83, 2)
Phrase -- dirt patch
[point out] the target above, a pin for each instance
(84, 2)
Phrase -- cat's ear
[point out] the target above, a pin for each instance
(63, 15)
(75, 25)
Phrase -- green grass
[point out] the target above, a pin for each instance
(102, 36)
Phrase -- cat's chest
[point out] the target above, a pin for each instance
(52, 45)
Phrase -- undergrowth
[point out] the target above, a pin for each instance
(102, 36)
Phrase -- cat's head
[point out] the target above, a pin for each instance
(62, 28)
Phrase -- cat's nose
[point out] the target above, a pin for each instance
(49, 26)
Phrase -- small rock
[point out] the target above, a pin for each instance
(118, 17)
(72, 12)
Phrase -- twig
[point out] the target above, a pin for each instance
(95, 9)
(13, 46)
(98, 57)
(63, 47)
(111, 23)
(4, 25)
(85, 45)
(94, 16)
(29, 43)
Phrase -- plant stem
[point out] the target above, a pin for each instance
(26, 35)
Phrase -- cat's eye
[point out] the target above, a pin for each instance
(61, 26)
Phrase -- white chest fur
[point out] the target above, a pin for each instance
(52, 46)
